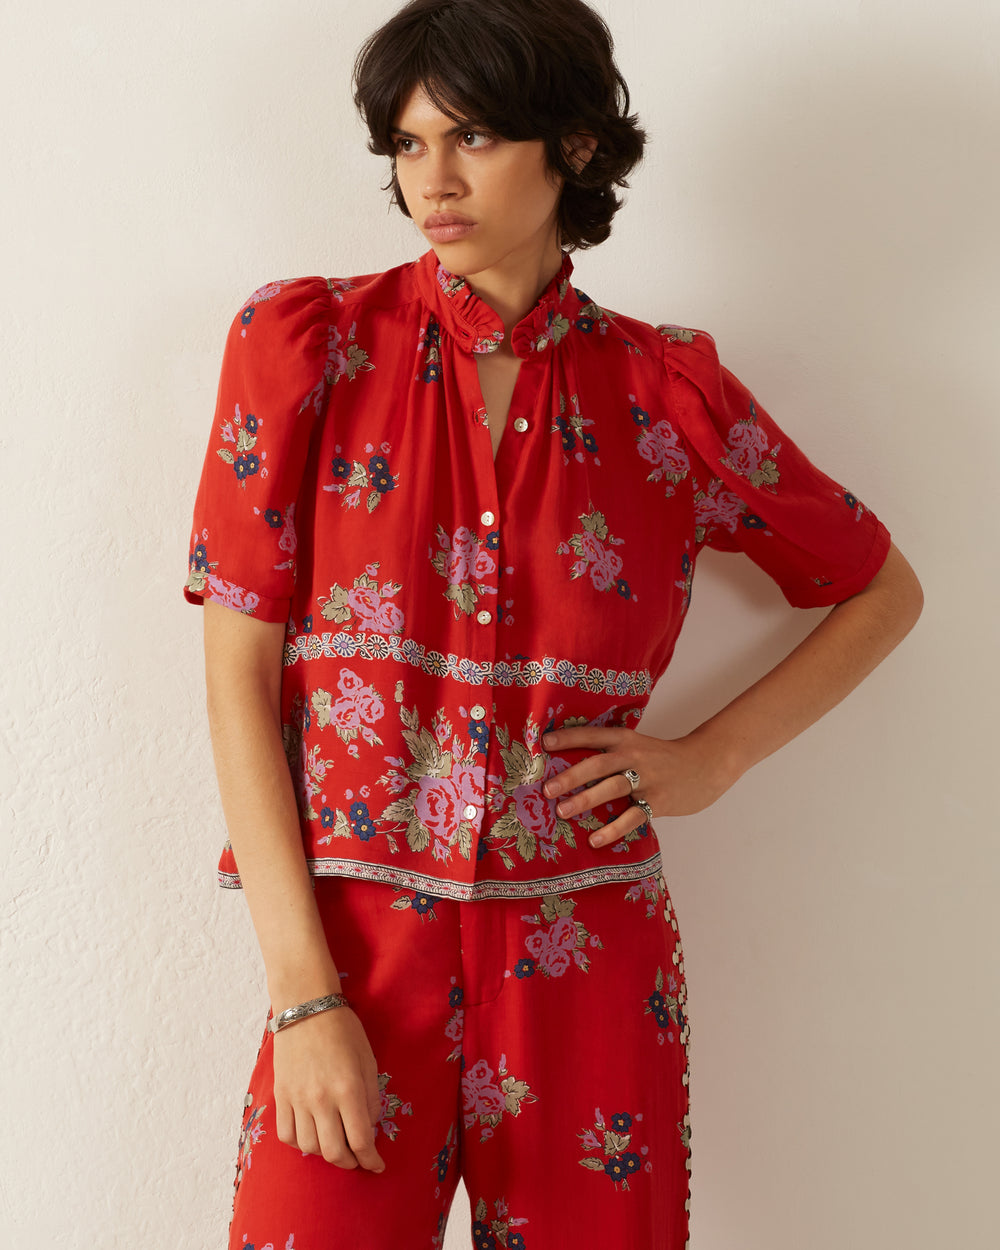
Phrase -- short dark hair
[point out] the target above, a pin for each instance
(522, 69)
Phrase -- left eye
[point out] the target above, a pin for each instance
(474, 139)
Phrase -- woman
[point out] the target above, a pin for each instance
(457, 508)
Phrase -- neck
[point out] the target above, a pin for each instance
(512, 287)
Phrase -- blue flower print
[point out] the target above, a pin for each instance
(623, 588)
(307, 624)
(480, 735)
(752, 521)
(273, 517)
(326, 817)
(363, 824)
(586, 324)
(421, 903)
(247, 316)
(455, 996)
(247, 465)
(589, 442)
(482, 1237)
(340, 467)
(850, 500)
(199, 558)
(381, 478)
(515, 1241)
(250, 424)
(432, 373)
(524, 968)
(622, 1165)
(621, 1122)
(566, 433)
(639, 415)
(492, 540)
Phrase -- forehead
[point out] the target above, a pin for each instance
(419, 115)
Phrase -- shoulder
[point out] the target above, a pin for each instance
(682, 349)
(296, 305)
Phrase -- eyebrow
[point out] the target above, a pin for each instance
(460, 129)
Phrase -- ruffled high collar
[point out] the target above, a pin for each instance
(478, 329)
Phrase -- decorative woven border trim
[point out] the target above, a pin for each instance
(347, 646)
(473, 891)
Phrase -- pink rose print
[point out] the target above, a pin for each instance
(367, 602)
(559, 943)
(592, 547)
(717, 506)
(436, 788)
(605, 569)
(358, 708)
(484, 1098)
(480, 1091)
(465, 562)
(535, 812)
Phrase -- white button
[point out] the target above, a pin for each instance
(470, 812)
(484, 618)
(521, 425)
(478, 712)
(487, 518)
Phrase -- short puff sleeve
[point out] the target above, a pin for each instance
(756, 492)
(272, 389)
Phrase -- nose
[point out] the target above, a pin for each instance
(441, 179)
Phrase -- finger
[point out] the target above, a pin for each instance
(304, 1136)
(629, 821)
(360, 1132)
(576, 736)
(332, 1141)
(606, 791)
(593, 768)
(284, 1122)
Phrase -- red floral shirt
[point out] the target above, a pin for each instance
(443, 610)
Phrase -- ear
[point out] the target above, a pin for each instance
(578, 149)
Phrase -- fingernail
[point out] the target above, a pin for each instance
(548, 789)
(563, 808)
(547, 740)
(596, 840)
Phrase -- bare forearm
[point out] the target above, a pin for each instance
(685, 775)
(821, 671)
(261, 815)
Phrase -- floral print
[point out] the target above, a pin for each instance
(437, 811)
(592, 548)
(561, 942)
(486, 1095)
(573, 431)
(465, 561)
(500, 1231)
(355, 408)
(612, 1142)
(354, 712)
(660, 445)
(390, 1106)
(242, 434)
(749, 453)
(352, 478)
(430, 345)
(366, 604)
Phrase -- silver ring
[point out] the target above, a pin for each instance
(632, 777)
(645, 807)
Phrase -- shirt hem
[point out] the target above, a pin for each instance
(474, 891)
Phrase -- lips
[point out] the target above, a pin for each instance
(436, 220)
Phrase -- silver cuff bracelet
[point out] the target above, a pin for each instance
(313, 1007)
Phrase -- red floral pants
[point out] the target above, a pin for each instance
(535, 1047)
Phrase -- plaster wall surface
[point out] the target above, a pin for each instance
(821, 194)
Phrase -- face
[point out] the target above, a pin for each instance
(482, 202)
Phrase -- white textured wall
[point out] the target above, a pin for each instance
(822, 196)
